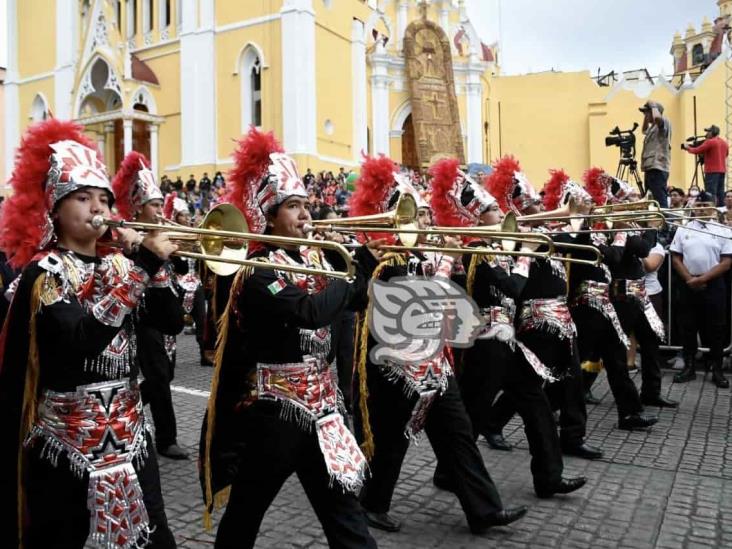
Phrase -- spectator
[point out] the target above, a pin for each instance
(656, 156)
(165, 185)
(308, 179)
(715, 151)
(218, 181)
(677, 197)
(191, 184)
(204, 185)
(178, 184)
(342, 175)
(702, 254)
(727, 206)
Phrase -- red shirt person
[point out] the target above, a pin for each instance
(715, 151)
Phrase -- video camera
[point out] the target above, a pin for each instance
(624, 139)
(694, 141)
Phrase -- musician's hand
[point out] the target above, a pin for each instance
(129, 239)
(335, 237)
(159, 244)
(374, 246)
(450, 241)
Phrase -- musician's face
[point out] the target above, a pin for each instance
(183, 218)
(291, 217)
(533, 209)
(492, 216)
(424, 218)
(74, 214)
(151, 211)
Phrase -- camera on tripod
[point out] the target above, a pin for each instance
(623, 139)
(694, 141)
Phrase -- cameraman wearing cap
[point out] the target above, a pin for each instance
(715, 151)
(656, 156)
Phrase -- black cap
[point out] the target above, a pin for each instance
(649, 105)
(714, 130)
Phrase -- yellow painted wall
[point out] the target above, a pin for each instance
(36, 34)
(240, 10)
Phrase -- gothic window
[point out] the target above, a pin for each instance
(147, 15)
(164, 14)
(697, 55)
(250, 72)
(39, 109)
(131, 18)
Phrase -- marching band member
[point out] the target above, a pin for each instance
(544, 323)
(274, 408)
(139, 198)
(398, 400)
(600, 337)
(188, 284)
(79, 467)
(628, 294)
(497, 361)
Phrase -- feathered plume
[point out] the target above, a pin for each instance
(500, 182)
(373, 188)
(553, 189)
(594, 185)
(23, 214)
(251, 160)
(168, 205)
(124, 180)
(444, 173)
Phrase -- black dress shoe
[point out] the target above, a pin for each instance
(591, 399)
(173, 452)
(637, 422)
(718, 377)
(443, 482)
(582, 450)
(660, 401)
(497, 442)
(383, 521)
(564, 486)
(501, 518)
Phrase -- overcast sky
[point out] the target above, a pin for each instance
(571, 35)
(568, 35)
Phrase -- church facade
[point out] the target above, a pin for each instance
(179, 80)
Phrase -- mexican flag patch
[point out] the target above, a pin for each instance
(277, 286)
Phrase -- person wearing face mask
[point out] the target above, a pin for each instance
(78, 467)
(140, 199)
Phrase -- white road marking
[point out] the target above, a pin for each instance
(187, 391)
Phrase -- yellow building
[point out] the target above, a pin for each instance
(179, 80)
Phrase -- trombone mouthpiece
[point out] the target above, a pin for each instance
(97, 221)
(307, 228)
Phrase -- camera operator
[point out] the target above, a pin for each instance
(656, 156)
(701, 259)
(715, 151)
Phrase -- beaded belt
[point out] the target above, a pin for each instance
(547, 315)
(102, 430)
(308, 393)
(635, 290)
(497, 323)
(596, 295)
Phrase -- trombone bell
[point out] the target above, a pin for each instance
(224, 217)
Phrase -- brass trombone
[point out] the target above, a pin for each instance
(223, 237)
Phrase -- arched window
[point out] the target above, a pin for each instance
(39, 109)
(131, 18)
(147, 15)
(697, 55)
(250, 72)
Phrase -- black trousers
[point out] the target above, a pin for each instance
(633, 320)
(59, 517)
(565, 395)
(656, 181)
(342, 335)
(198, 312)
(597, 339)
(450, 433)
(491, 366)
(274, 450)
(155, 389)
(703, 312)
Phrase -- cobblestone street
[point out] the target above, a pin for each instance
(668, 488)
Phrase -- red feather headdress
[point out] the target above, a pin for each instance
(554, 188)
(134, 185)
(596, 184)
(25, 224)
(251, 164)
(502, 181)
(374, 189)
